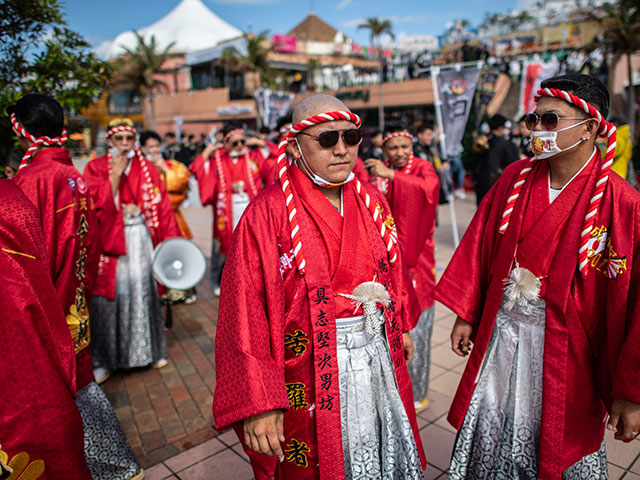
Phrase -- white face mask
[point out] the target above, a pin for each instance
(315, 178)
(544, 144)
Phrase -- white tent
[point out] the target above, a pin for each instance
(191, 25)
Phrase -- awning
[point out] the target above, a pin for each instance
(213, 53)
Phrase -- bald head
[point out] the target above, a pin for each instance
(316, 104)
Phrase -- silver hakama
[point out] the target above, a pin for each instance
(106, 449)
(128, 331)
(377, 439)
(420, 365)
(500, 434)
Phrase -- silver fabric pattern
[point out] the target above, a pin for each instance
(128, 331)
(377, 439)
(500, 435)
(420, 365)
(106, 449)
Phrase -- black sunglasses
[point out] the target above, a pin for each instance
(122, 138)
(329, 138)
(238, 142)
(548, 120)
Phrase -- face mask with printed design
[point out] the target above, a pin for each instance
(544, 144)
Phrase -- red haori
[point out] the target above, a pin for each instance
(388, 235)
(38, 142)
(383, 183)
(605, 128)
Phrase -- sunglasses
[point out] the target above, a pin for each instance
(548, 120)
(330, 138)
(122, 138)
(238, 142)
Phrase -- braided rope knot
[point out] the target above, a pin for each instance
(605, 129)
(283, 164)
(37, 142)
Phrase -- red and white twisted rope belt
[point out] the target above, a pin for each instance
(38, 142)
(387, 234)
(149, 200)
(605, 129)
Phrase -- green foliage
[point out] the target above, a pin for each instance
(38, 53)
(377, 27)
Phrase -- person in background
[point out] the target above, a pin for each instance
(176, 178)
(13, 162)
(524, 140)
(622, 164)
(134, 214)
(501, 153)
(170, 146)
(374, 151)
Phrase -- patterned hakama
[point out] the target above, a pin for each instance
(500, 435)
(106, 448)
(420, 365)
(128, 331)
(377, 439)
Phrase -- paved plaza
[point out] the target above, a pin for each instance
(166, 413)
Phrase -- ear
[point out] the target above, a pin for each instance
(592, 128)
(294, 149)
(16, 132)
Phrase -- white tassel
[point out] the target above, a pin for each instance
(368, 295)
(521, 288)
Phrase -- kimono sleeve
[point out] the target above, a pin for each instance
(414, 206)
(626, 378)
(109, 218)
(249, 350)
(206, 179)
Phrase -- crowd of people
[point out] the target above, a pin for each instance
(324, 262)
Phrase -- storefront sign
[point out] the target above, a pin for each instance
(363, 95)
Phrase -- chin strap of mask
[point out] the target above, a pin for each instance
(606, 129)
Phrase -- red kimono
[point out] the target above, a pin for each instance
(592, 327)
(39, 419)
(72, 240)
(216, 189)
(275, 345)
(131, 190)
(413, 198)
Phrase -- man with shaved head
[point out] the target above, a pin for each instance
(312, 343)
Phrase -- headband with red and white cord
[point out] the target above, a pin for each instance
(605, 129)
(37, 142)
(283, 173)
(237, 131)
(397, 134)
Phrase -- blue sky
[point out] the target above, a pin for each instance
(98, 21)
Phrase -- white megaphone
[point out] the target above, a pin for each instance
(178, 263)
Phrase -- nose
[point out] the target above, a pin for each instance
(341, 147)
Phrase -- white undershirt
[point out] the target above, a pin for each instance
(555, 192)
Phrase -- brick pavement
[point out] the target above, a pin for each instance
(166, 413)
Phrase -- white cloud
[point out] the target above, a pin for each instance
(343, 4)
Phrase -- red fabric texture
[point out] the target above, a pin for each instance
(264, 299)
(37, 370)
(592, 329)
(111, 224)
(413, 198)
(72, 240)
(209, 185)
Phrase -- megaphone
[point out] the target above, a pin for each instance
(178, 263)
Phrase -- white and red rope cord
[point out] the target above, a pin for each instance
(38, 142)
(149, 201)
(237, 131)
(387, 234)
(395, 135)
(605, 129)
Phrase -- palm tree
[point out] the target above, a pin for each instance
(377, 28)
(137, 71)
(621, 24)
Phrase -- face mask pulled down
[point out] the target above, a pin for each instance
(544, 144)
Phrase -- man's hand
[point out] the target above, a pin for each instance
(255, 142)
(460, 336)
(378, 169)
(209, 149)
(624, 420)
(118, 164)
(408, 347)
(264, 432)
